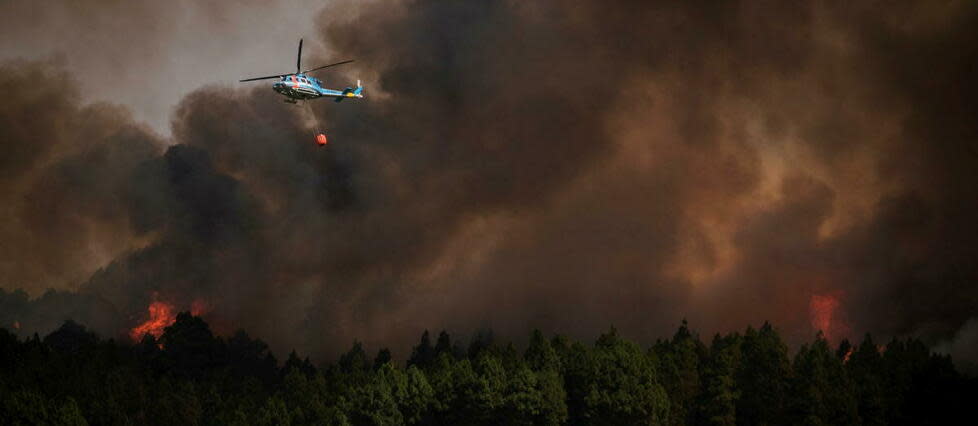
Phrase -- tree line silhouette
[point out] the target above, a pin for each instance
(189, 376)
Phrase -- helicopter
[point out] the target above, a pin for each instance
(299, 86)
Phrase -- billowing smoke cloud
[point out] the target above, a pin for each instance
(528, 165)
(64, 170)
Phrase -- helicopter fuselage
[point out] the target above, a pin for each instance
(299, 87)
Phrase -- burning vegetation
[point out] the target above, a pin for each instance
(161, 316)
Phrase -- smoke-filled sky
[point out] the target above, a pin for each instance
(564, 166)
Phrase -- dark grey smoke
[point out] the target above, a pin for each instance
(531, 165)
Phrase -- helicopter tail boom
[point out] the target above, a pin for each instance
(350, 92)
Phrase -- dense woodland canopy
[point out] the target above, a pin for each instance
(190, 376)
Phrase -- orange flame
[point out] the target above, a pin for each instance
(17, 325)
(848, 355)
(161, 316)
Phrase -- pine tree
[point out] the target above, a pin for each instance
(383, 357)
(864, 367)
(540, 355)
(718, 401)
(412, 392)
(820, 390)
(423, 354)
(355, 360)
(444, 344)
(762, 378)
(621, 385)
(678, 364)
(373, 402)
(575, 368)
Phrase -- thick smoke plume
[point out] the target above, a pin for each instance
(523, 165)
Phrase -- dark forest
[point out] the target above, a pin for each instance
(190, 376)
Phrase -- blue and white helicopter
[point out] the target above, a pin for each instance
(298, 86)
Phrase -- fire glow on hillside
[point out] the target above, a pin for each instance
(161, 316)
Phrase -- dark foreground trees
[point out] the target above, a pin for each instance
(189, 376)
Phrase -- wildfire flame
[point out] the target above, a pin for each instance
(879, 348)
(17, 325)
(161, 316)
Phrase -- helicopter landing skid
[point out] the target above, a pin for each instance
(290, 101)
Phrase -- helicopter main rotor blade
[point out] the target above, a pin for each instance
(327, 66)
(298, 58)
(263, 78)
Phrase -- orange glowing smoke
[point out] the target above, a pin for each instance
(199, 307)
(161, 316)
(823, 314)
(821, 310)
